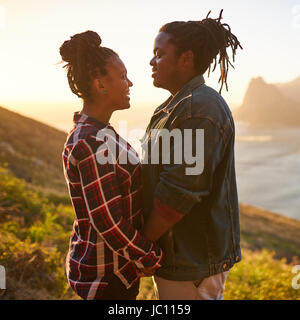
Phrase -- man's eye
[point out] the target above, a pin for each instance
(157, 54)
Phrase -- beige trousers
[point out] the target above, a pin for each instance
(210, 288)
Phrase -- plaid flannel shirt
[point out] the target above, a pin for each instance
(107, 199)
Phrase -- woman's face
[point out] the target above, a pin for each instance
(116, 84)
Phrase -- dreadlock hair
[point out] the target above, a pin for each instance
(206, 39)
(85, 60)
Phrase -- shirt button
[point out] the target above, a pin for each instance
(224, 266)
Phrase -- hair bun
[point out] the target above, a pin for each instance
(69, 48)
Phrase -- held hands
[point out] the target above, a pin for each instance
(146, 272)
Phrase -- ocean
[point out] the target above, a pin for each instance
(268, 168)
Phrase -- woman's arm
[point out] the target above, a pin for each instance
(103, 202)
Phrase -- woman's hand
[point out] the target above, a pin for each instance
(146, 272)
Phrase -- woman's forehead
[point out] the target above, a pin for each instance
(116, 64)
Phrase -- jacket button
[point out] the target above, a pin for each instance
(236, 258)
(224, 266)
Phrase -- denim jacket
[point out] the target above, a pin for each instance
(206, 241)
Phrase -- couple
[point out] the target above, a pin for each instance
(133, 219)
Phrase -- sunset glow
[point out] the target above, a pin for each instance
(31, 32)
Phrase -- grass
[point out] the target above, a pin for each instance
(262, 229)
(259, 276)
(34, 235)
(270, 248)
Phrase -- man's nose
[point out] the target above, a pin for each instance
(152, 61)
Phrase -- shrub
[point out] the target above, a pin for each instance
(257, 277)
(34, 239)
(261, 277)
(31, 266)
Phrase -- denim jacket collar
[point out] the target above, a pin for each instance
(171, 102)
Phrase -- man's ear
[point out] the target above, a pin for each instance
(187, 59)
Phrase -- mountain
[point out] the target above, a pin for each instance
(32, 150)
(290, 89)
(266, 104)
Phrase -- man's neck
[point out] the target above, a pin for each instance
(183, 81)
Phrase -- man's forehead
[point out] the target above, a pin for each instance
(162, 40)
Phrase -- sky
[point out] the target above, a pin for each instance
(31, 32)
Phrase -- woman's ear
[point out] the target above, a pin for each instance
(99, 83)
(97, 86)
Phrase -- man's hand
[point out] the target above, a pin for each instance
(145, 272)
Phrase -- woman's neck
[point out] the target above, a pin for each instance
(97, 111)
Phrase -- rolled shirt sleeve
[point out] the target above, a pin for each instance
(176, 188)
(103, 202)
(168, 213)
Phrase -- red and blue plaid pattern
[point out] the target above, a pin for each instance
(107, 199)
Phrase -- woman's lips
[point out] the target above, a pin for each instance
(128, 96)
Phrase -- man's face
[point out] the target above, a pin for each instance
(165, 71)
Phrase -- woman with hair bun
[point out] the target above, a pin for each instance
(107, 254)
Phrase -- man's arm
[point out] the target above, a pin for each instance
(176, 192)
(160, 220)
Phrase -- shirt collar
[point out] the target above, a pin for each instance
(168, 105)
(85, 119)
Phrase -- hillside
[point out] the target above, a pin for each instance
(262, 229)
(266, 104)
(32, 150)
(34, 234)
(35, 225)
(34, 239)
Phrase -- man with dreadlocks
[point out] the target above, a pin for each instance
(194, 217)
